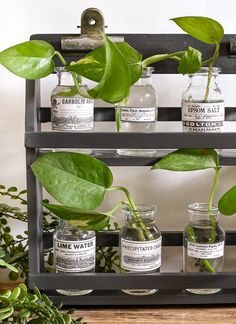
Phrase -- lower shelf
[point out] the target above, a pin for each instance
(162, 297)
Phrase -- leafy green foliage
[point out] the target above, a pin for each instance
(190, 62)
(227, 203)
(204, 29)
(20, 306)
(189, 160)
(30, 60)
(75, 180)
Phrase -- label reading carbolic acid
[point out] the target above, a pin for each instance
(140, 255)
(74, 256)
(137, 115)
(72, 113)
(203, 117)
(205, 251)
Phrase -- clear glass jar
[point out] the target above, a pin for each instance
(203, 243)
(69, 110)
(74, 251)
(140, 249)
(203, 107)
(140, 112)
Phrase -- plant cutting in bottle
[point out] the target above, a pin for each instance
(190, 160)
(115, 66)
(80, 182)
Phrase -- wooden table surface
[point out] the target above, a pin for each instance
(159, 315)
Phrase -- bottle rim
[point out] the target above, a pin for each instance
(205, 70)
(201, 208)
(147, 71)
(141, 208)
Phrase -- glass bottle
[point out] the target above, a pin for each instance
(69, 110)
(138, 251)
(74, 251)
(203, 107)
(203, 243)
(140, 112)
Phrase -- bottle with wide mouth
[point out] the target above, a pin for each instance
(140, 244)
(139, 113)
(203, 243)
(203, 106)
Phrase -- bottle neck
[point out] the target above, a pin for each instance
(144, 80)
(199, 212)
(65, 78)
(145, 212)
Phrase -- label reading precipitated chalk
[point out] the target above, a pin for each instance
(205, 251)
(72, 114)
(138, 115)
(141, 255)
(74, 256)
(203, 117)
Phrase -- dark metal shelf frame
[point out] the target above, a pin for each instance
(107, 285)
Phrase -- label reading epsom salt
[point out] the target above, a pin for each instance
(74, 256)
(140, 255)
(138, 115)
(205, 251)
(203, 117)
(71, 114)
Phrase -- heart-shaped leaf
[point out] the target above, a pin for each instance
(189, 160)
(227, 203)
(30, 60)
(73, 179)
(204, 29)
(190, 62)
(93, 65)
(83, 219)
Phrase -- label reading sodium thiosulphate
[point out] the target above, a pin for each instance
(141, 255)
(72, 113)
(203, 117)
(74, 256)
(205, 251)
(138, 115)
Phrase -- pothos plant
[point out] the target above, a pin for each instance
(114, 66)
(199, 159)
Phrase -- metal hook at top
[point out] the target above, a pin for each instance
(92, 22)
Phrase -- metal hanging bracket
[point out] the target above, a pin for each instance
(92, 27)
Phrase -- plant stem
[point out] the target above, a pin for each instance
(216, 54)
(61, 58)
(162, 57)
(212, 217)
(133, 208)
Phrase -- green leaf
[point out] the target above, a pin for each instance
(93, 65)
(73, 179)
(116, 79)
(83, 219)
(190, 62)
(189, 160)
(227, 203)
(30, 60)
(7, 265)
(12, 189)
(204, 29)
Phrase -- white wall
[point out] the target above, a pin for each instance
(170, 191)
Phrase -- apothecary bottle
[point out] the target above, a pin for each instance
(204, 241)
(203, 106)
(139, 113)
(74, 252)
(69, 110)
(140, 244)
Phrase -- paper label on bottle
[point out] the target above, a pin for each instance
(205, 251)
(72, 114)
(203, 117)
(140, 255)
(74, 256)
(138, 115)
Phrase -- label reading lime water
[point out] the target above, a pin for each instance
(74, 256)
(138, 115)
(203, 117)
(205, 251)
(140, 255)
(72, 114)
